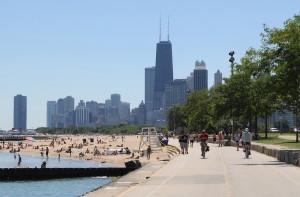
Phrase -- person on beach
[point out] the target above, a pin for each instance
(149, 152)
(20, 159)
(58, 157)
(47, 151)
(43, 164)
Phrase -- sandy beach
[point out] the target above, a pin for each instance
(96, 148)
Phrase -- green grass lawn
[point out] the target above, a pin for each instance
(273, 138)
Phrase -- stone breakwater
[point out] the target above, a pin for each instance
(289, 156)
(14, 174)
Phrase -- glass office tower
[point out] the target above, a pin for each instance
(163, 72)
(20, 112)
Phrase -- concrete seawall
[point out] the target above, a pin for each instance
(14, 174)
(288, 156)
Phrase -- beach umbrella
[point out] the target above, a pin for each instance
(30, 139)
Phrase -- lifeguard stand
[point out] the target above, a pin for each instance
(149, 137)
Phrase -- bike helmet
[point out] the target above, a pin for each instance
(247, 129)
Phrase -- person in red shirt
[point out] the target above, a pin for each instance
(203, 137)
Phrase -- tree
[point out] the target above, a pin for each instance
(176, 118)
(284, 46)
(198, 110)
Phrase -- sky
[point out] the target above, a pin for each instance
(94, 48)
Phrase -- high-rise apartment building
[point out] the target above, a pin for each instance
(149, 90)
(176, 92)
(60, 113)
(82, 114)
(163, 72)
(200, 76)
(51, 113)
(115, 100)
(113, 117)
(102, 114)
(124, 112)
(218, 79)
(20, 112)
(138, 115)
(93, 110)
(69, 111)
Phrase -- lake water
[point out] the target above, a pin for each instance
(28, 161)
(57, 187)
(51, 188)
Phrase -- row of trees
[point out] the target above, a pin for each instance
(266, 80)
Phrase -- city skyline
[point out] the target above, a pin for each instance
(90, 50)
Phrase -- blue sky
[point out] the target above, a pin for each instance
(91, 49)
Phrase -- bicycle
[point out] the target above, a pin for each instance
(247, 151)
(203, 149)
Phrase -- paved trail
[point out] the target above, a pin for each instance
(225, 172)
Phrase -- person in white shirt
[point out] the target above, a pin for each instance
(237, 139)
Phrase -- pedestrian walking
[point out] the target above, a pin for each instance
(220, 138)
(237, 140)
(149, 150)
(214, 138)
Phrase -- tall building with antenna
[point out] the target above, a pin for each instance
(163, 71)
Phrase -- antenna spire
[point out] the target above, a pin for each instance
(168, 29)
(159, 28)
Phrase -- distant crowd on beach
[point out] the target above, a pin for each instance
(86, 147)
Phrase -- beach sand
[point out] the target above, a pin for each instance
(63, 142)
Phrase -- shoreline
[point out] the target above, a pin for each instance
(107, 142)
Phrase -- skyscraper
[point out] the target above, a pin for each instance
(176, 92)
(60, 116)
(82, 114)
(218, 79)
(163, 72)
(69, 111)
(51, 113)
(124, 112)
(93, 110)
(200, 76)
(115, 100)
(20, 112)
(149, 90)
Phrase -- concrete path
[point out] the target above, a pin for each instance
(225, 172)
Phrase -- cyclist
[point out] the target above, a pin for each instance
(203, 138)
(247, 137)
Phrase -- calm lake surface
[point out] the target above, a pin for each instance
(7, 161)
(56, 187)
(52, 188)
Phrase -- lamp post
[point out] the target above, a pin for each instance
(231, 60)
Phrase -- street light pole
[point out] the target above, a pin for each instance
(231, 60)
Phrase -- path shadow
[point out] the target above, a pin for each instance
(262, 164)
